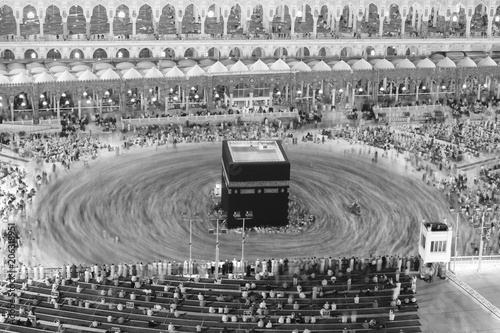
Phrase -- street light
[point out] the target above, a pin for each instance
(190, 218)
(481, 245)
(219, 215)
(248, 216)
(452, 210)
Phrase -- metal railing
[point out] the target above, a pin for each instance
(467, 260)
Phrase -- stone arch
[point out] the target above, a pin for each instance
(168, 53)
(324, 52)
(190, 53)
(233, 20)
(303, 52)
(304, 19)
(371, 20)
(236, 52)
(54, 54)
(167, 23)
(122, 24)
(8, 21)
(191, 19)
(214, 20)
(370, 51)
(479, 20)
(100, 54)
(76, 54)
(280, 52)
(412, 51)
(145, 19)
(52, 24)
(346, 52)
(325, 19)
(213, 52)
(256, 19)
(76, 20)
(393, 20)
(31, 23)
(258, 52)
(99, 23)
(123, 53)
(7, 54)
(145, 53)
(30, 54)
(282, 21)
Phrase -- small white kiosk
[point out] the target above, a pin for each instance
(435, 246)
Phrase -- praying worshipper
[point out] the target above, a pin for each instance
(333, 306)
(225, 318)
(356, 299)
(391, 315)
(326, 306)
(79, 289)
(296, 306)
(269, 324)
(366, 325)
(171, 327)
(220, 298)
(375, 304)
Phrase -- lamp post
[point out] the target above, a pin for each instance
(191, 218)
(219, 215)
(237, 216)
(452, 210)
(481, 234)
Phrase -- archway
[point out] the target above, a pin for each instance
(220, 95)
(282, 21)
(100, 54)
(324, 25)
(370, 24)
(144, 23)
(324, 52)
(391, 51)
(167, 24)
(346, 22)
(479, 21)
(213, 52)
(412, 51)
(393, 22)
(22, 107)
(145, 53)
(99, 23)
(234, 21)
(7, 55)
(346, 52)
(191, 53)
(30, 54)
(123, 53)
(214, 21)
(304, 20)
(280, 52)
(53, 54)
(52, 24)
(437, 22)
(303, 52)
(76, 54)
(168, 53)
(412, 21)
(235, 53)
(76, 21)
(31, 23)
(255, 25)
(191, 21)
(258, 52)
(458, 22)
(8, 22)
(370, 51)
(122, 24)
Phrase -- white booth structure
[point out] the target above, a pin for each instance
(435, 242)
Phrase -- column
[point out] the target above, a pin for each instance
(12, 111)
(202, 25)
(179, 25)
(134, 26)
(435, 18)
(467, 29)
(250, 102)
(397, 91)
(224, 22)
(18, 29)
(333, 96)
(292, 25)
(110, 21)
(41, 26)
(381, 26)
(58, 108)
(65, 27)
(79, 108)
(413, 18)
(87, 27)
(271, 96)
(403, 20)
(490, 26)
(315, 26)
(231, 99)
(166, 104)
(217, 13)
(337, 25)
(419, 23)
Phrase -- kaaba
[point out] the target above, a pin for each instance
(255, 177)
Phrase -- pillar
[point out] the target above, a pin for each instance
(333, 96)
(419, 23)
(224, 22)
(381, 26)
(79, 108)
(231, 99)
(134, 26)
(166, 103)
(413, 18)
(142, 101)
(490, 26)
(250, 102)
(435, 18)
(41, 26)
(87, 27)
(467, 27)
(403, 20)
(315, 26)
(292, 25)
(367, 14)
(271, 96)
(397, 91)
(202, 25)
(111, 19)
(58, 108)
(12, 111)
(65, 27)
(18, 29)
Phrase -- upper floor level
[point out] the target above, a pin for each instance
(144, 19)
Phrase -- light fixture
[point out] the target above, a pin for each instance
(464, 86)
(110, 100)
(299, 92)
(193, 88)
(278, 93)
(121, 14)
(154, 99)
(210, 14)
(423, 88)
(120, 54)
(360, 89)
(1, 98)
(341, 90)
(216, 95)
(106, 92)
(33, 55)
(84, 93)
(485, 85)
(23, 104)
(42, 96)
(2, 104)
(403, 89)
(299, 13)
(133, 100)
(163, 54)
(454, 18)
(382, 88)
(320, 91)
(443, 87)
(21, 96)
(150, 90)
(44, 103)
(196, 96)
(129, 92)
(77, 55)
(497, 18)
(171, 90)
(88, 101)
(30, 15)
(175, 98)
(63, 95)
(67, 102)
